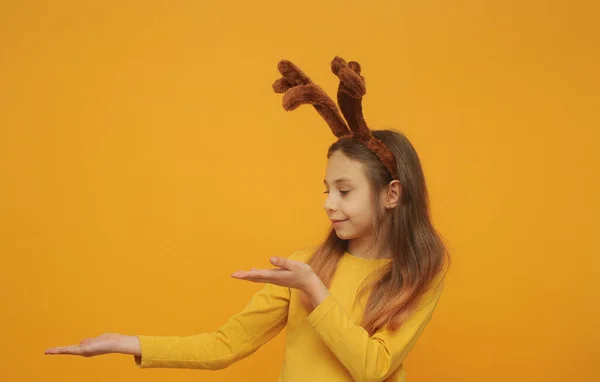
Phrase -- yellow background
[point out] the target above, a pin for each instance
(144, 158)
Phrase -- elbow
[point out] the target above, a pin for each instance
(371, 378)
(375, 376)
(377, 367)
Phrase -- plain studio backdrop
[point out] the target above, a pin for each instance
(144, 158)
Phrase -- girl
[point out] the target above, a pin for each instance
(354, 306)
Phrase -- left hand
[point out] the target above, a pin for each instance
(289, 273)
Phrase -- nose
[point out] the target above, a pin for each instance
(329, 205)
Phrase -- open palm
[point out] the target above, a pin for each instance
(89, 347)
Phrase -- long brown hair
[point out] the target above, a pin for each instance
(418, 251)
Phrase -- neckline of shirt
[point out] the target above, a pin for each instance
(364, 262)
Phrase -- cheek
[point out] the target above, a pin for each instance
(352, 209)
(360, 213)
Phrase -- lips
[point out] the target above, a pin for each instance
(338, 220)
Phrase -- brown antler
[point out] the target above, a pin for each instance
(299, 89)
(350, 92)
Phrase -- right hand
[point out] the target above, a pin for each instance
(104, 344)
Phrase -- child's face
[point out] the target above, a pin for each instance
(349, 203)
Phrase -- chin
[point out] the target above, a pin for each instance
(343, 235)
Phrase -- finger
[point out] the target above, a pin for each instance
(253, 280)
(260, 274)
(254, 273)
(74, 350)
(284, 263)
(266, 281)
(52, 351)
(240, 274)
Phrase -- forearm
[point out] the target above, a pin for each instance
(262, 318)
(369, 357)
(365, 358)
(208, 351)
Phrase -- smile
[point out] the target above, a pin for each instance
(338, 222)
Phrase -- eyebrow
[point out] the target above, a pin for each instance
(339, 180)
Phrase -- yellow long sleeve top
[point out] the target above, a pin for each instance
(327, 344)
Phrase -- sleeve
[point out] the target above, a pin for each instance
(376, 357)
(261, 320)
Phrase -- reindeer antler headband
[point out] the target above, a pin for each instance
(299, 89)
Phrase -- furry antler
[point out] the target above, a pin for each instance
(299, 89)
(350, 92)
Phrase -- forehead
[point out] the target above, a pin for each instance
(340, 166)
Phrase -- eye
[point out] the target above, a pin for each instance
(342, 192)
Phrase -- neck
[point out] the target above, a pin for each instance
(361, 247)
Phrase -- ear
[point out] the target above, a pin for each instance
(393, 194)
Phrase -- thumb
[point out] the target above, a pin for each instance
(281, 262)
